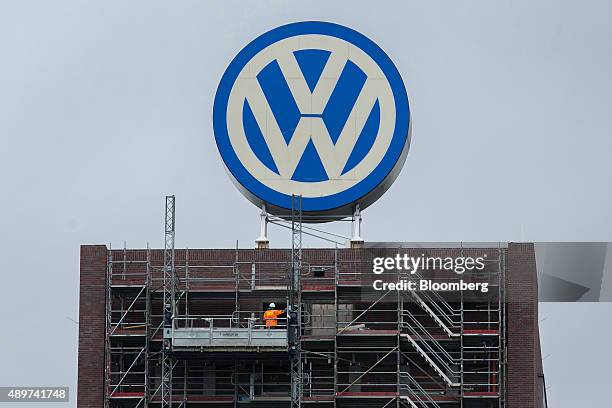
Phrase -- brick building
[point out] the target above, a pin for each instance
(359, 348)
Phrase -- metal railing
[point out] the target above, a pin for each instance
(414, 393)
(224, 321)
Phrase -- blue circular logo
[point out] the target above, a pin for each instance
(313, 109)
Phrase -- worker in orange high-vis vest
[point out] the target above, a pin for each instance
(271, 316)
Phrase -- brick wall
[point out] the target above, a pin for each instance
(90, 392)
(524, 358)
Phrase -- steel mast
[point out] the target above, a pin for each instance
(169, 303)
(294, 310)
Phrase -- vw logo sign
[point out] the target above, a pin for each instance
(313, 109)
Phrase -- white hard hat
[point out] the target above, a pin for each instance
(272, 304)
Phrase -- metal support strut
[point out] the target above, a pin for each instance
(169, 304)
(294, 312)
(262, 241)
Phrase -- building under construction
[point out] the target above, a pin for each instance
(184, 328)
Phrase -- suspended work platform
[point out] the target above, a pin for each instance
(228, 334)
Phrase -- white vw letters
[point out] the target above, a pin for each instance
(311, 125)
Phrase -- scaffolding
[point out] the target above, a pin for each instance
(185, 328)
(391, 348)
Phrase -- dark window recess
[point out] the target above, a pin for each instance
(318, 272)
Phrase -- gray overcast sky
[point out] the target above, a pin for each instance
(105, 106)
